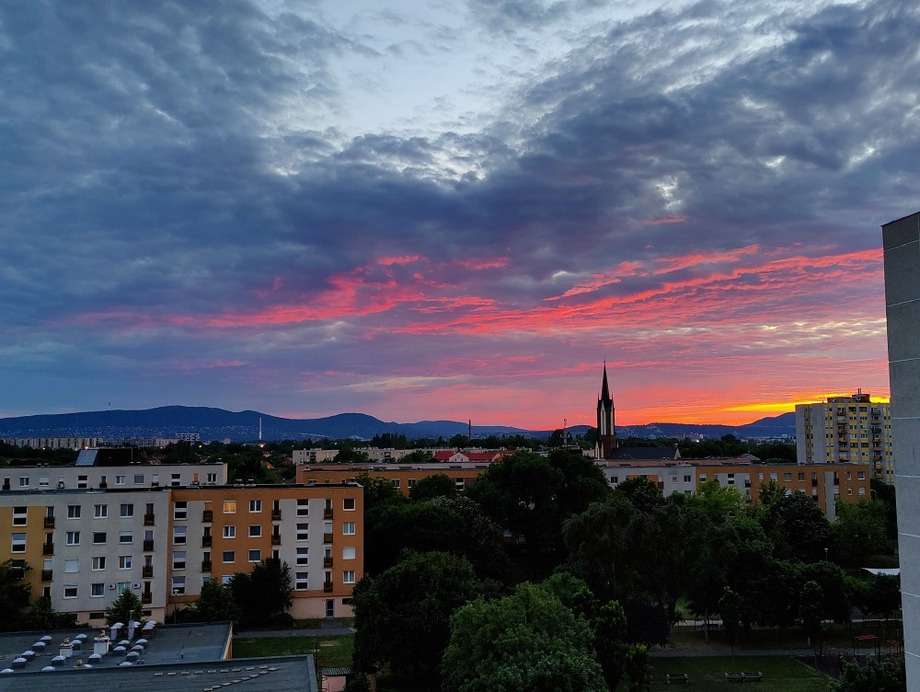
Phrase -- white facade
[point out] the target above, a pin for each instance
(49, 477)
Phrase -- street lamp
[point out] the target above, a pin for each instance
(825, 554)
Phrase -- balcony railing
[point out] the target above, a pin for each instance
(276, 539)
(149, 519)
(327, 586)
(327, 513)
(146, 598)
(205, 565)
(206, 541)
(327, 538)
(148, 545)
(207, 515)
(147, 571)
(48, 549)
(49, 522)
(46, 575)
(327, 562)
(276, 515)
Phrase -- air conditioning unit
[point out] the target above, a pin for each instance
(111, 587)
(136, 585)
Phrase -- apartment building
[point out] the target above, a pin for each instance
(318, 530)
(86, 545)
(846, 429)
(53, 442)
(402, 476)
(83, 476)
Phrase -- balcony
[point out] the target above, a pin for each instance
(205, 565)
(49, 522)
(149, 519)
(146, 598)
(327, 586)
(147, 571)
(276, 515)
(327, 538)
(327, 513)
(48, 549)
(327, 562)
(276, 539)
(207, 515)
(148, 545)
(206, 541)
(46, 575)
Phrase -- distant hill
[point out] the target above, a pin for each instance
(243, 426)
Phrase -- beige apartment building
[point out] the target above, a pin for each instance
(846, 429)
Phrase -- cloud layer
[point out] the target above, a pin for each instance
(458, 215)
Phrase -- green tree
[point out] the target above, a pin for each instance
(885, 675)
(610, 642)
(528, 640)
(127, 606)
(810, 613)
(14, 595)
(264, 594)
(215, 604)
(430, 487)
(638, 669)
(859, 532)
(402, 616)
(730, 612)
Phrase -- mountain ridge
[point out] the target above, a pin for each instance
(212, 423)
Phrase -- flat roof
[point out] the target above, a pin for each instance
(170, 644)
(270, 674)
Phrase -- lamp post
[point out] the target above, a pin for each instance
(825, 554)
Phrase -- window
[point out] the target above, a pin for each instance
(787, 476)
(73, 538)
(43, 481)
(303, 532)
(178, 586)
(229, 506)
(126, 537)
(396, 483)
(72, 564)
(255, 556)
(300, 581)
(303, 508)
(348, 552)
(178, 559)
(688, 479)
(19, 543)
(19, 516)
(99, 563)
(180, 535)
(303, 556)
(138, 479)
(70, 590)
(801, 476)
(255, 530)
(122, 586)
(100, 511)
(348, 504)
(81, 481)
(97, 590)
(862, 491)
(255, 506)
(228, 556)
(348, 528)
(348, 576)
(124, 562)
(119, 480)
(180, 511)
(229, 531)
(127, 510)
(861, 475)
(73, 511)
(98, 537)
(176, 479)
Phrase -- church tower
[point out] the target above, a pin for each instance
(606, 428)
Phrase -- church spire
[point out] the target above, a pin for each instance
(606, 427)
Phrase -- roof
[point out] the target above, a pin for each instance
(645, 453)
(273, 674)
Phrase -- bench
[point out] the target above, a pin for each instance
(752, 677)
(677, 678)
(734, 677)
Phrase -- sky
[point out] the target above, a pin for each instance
(456, 209)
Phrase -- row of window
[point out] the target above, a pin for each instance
(96, 590)
(138, 479)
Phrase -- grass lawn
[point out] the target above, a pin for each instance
(781, 674)
(330, 652)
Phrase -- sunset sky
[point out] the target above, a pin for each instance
(451, 210)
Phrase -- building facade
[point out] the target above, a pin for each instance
(846, 429)
(901, 243)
